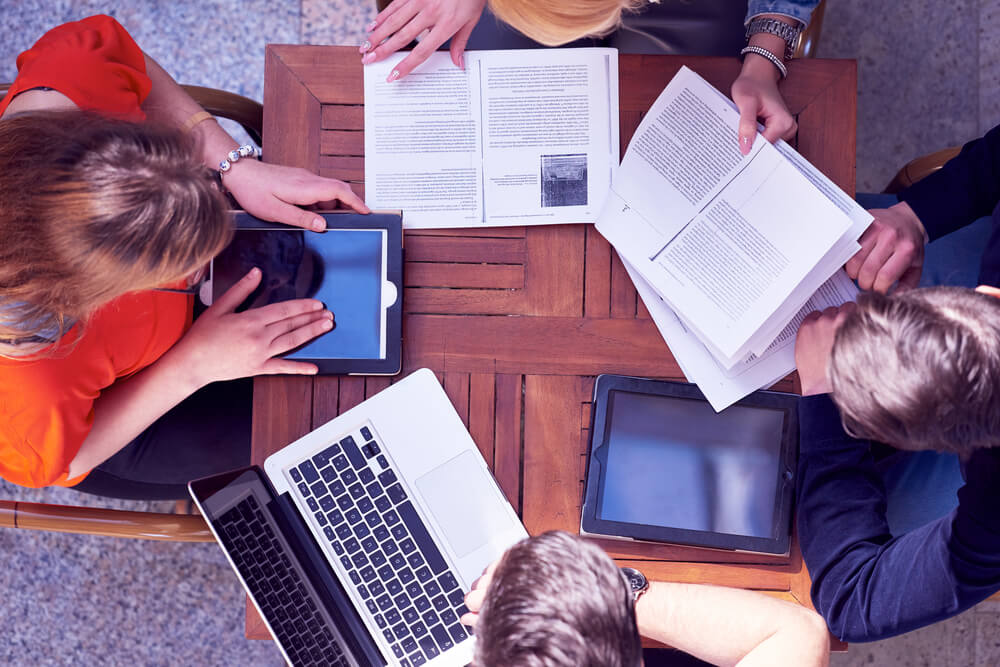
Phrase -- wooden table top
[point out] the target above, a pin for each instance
(517, 322)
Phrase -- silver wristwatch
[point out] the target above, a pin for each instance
(787, 32)
(636, 581)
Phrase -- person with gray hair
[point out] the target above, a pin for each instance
(557, 600)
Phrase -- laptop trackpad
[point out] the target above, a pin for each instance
(460, 495)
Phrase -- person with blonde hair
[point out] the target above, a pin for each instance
(706, 27)
(110, 207)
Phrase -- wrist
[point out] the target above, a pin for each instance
(905, 210)
(759, 68)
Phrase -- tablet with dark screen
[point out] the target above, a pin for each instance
(664, 466)
(354, 268)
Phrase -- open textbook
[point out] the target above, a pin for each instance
(521, 137)
(734, 245)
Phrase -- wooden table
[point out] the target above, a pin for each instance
(517, 322)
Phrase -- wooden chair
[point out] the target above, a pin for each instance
(120, 523)
(808, 39)
(919, 168)
(248, 113)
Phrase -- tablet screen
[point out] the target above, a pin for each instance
(343, 268)
(676, 463)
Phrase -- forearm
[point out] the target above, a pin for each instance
(130, 406)
(729, 626)
(169, 104)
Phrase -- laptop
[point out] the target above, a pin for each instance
(358, 542)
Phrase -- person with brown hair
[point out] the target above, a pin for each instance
(106, 221)
(899, 465)
(706, 27)
(557, 600)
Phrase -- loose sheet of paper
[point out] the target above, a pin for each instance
(518, 137)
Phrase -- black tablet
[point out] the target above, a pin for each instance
(355, 268)
(663, 466)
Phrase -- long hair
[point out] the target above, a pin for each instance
(92, 208)
(557, 600)
(921, 369)
(556, 22)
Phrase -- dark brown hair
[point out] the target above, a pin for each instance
(921, 369)
(92, 208)
(557, 600)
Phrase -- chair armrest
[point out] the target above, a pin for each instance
(919, 168)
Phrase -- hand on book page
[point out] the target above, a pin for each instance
(756, 95)
(404, 20)
(892, 250)
(813, 346)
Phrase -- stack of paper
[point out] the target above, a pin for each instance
(729, 252)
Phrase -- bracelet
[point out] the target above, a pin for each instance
(194, 119)
(246, 150)
(764, 53)
(776, 27)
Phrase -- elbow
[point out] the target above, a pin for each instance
(815, 639)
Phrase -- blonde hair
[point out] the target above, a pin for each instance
(556, 22)
(92, 208)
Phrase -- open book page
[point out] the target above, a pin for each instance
(519, 137)
(550, 133)
(683, 152)
(723, 387)
(752, 241)
(422, 150)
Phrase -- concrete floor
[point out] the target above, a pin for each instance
(929, 78)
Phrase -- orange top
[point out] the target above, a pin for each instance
(47, 402)
(94, 62)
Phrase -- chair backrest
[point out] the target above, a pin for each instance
(248, 113)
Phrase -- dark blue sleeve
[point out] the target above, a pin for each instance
(867, 584)
(965, 189)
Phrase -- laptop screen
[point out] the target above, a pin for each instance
(676, 463)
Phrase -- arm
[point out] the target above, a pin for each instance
(729, 626)
(221, 345)
(964, 190)
(866, 583)
(268, 191)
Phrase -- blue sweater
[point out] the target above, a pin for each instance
(867, 584)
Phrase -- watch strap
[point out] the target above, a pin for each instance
(789, 33)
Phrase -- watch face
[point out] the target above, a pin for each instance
(636, 579)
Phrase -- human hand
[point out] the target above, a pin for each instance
(892, 249)
(756, 95)
(813, 345)
(274, 192)
(474, 598)
(403, 20)
(224, 345)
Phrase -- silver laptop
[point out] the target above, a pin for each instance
(359, 541)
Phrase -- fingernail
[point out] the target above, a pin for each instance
(371, 26)
(364, 47)
(461, 62)
(368, 58)
(327, 325)
(254, 272)
(745, 142)
(319, 224)
(393, 76)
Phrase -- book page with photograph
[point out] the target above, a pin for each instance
(422, 150)
(550, 133)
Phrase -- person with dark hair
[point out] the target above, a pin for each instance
(891, 388)
(557, 600)
(110, 209)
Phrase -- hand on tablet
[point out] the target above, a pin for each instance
(273, 192)
(224, 345)
(813, 345)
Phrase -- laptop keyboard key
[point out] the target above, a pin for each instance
(356, 491)
(407, 546)
(456, 598)
(414, 589)
(380, 533)
(394, 587)
(376, 587)
(371, 606)
(360, 559)
(362, 530)
(345, 503)
(296, 475)
(304, 489)
(409, 645)
(387, 477)
(355, 577)
(337, 488)
(430, 618)
(415, 559)
(308, 471)
(432, 588)
(384, 602)
(329, 533)
(397, 561)
(364, 591)
(382, 462)
(430, 551)
(399, 532)
(368, 574)
(391, 518)
(417, 660)
(448, 581)
(321, 518)
(390, 548)
(318, 489)
(383, 503)
(365, 505)
(377, 558)
(401, 601)
(385, 573)
(353, 516)
(410, 615)
(335, 517)
(313, 505)
(366, 476)
(440, 603)
(366, 433)
(340, 462)
(352, 452)
(343, 531)
(448, 617)
(351, 545)
(406, 575)
(327, 503)
(328, 474)
(400, 630)
(422, 603)
(418, 629)
(392, 617)
(428, 647)
(396, 493)
(349, 477)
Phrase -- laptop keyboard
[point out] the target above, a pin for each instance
(277, 588)
(391, 559)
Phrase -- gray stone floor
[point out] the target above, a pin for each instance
(929, 78)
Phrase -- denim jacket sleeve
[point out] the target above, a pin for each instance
(800, 10)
